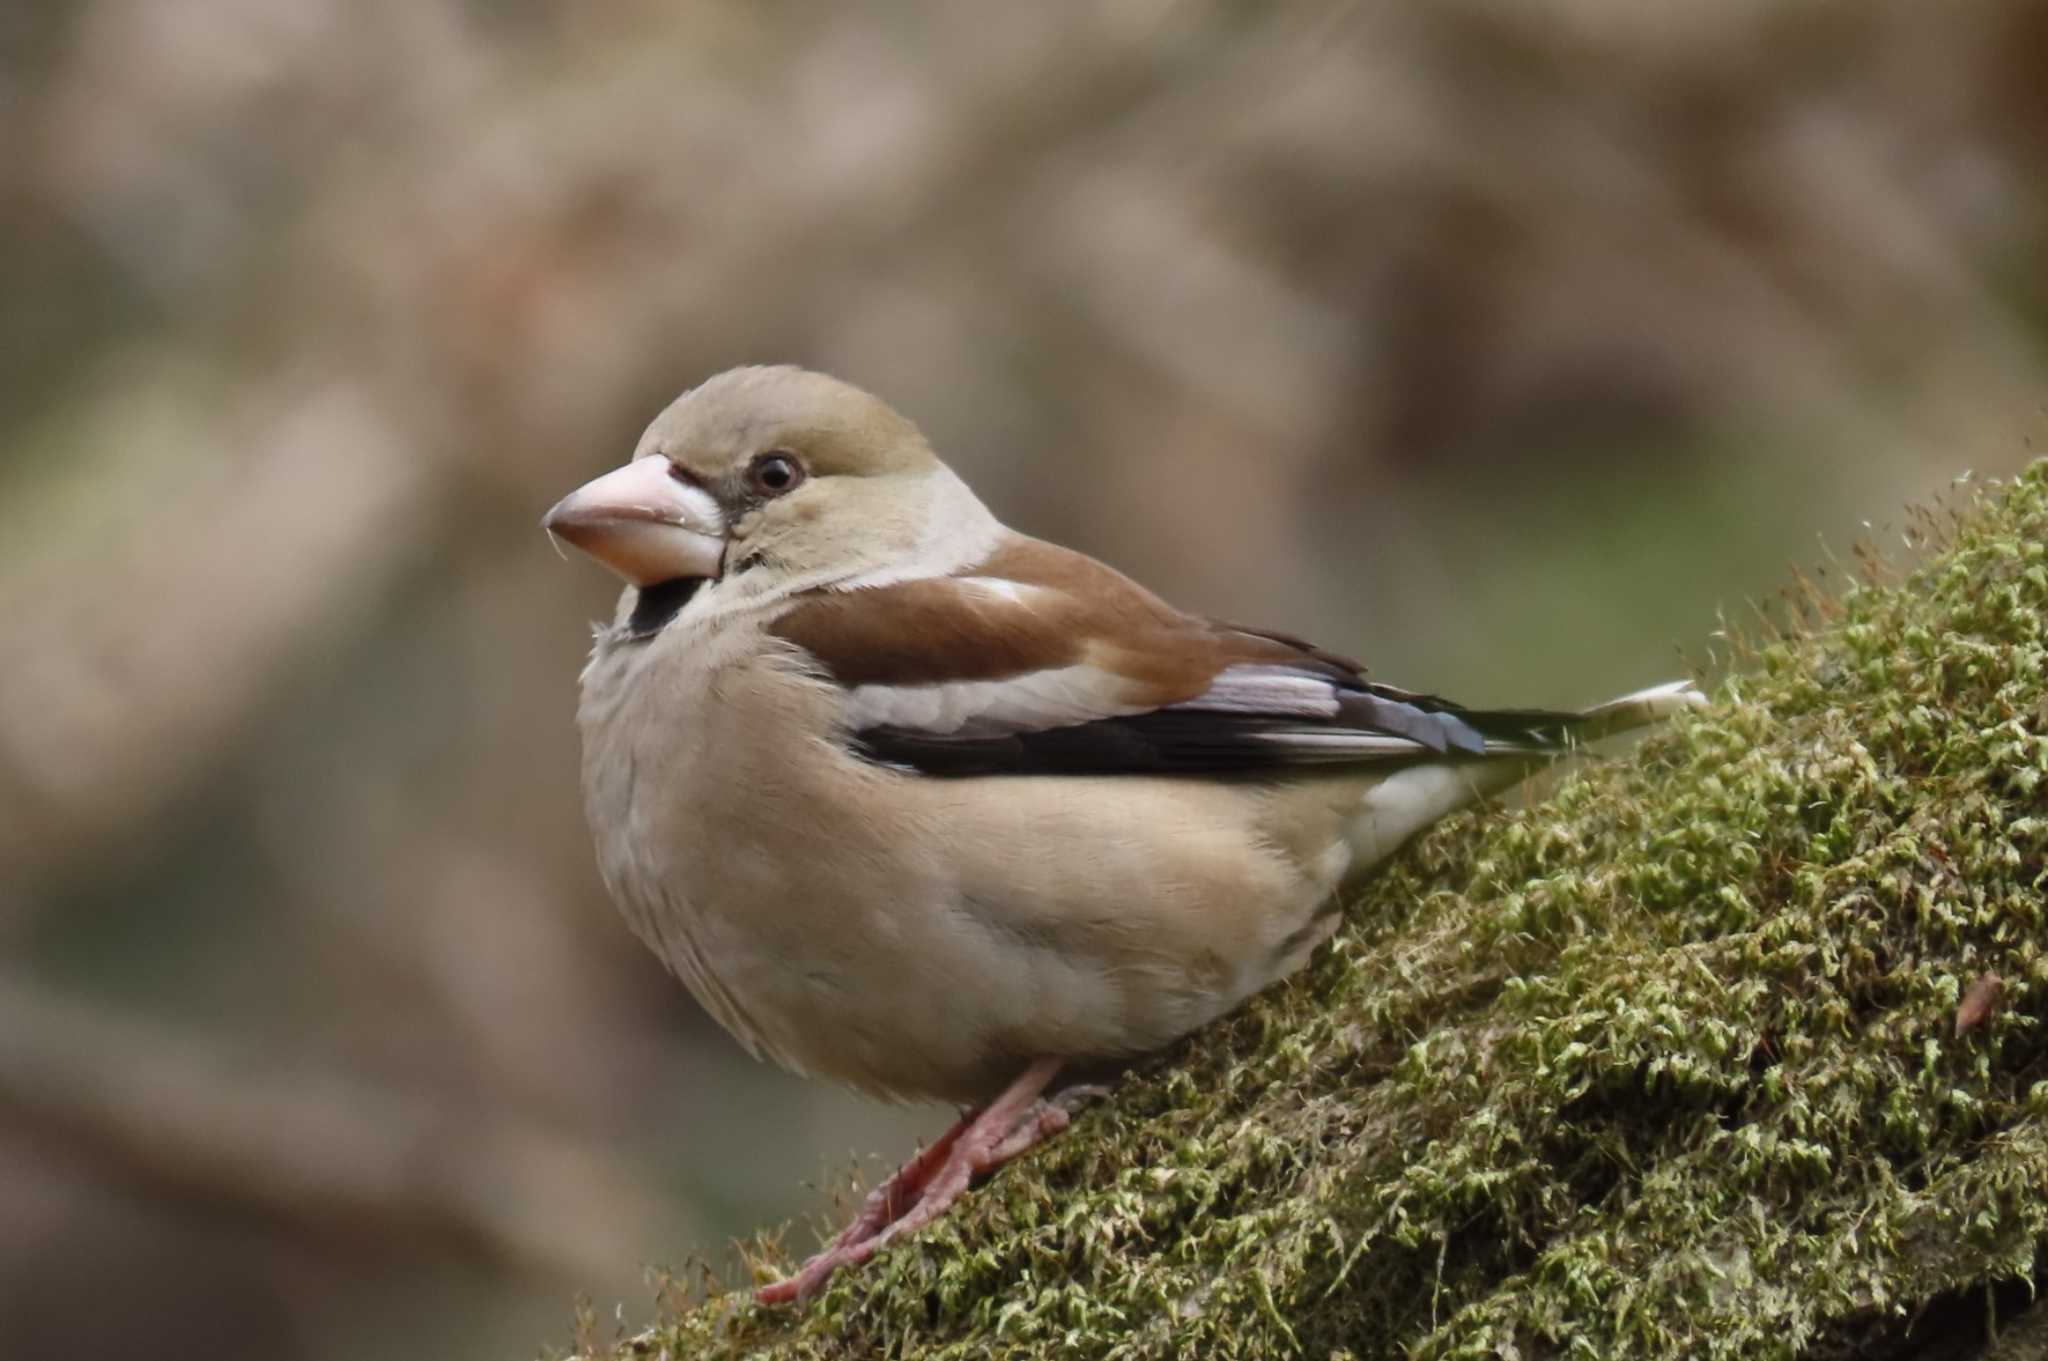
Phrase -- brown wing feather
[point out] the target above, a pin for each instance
(925, 633)
(1104, 676)
(1073, 609)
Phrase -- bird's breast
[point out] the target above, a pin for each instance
(911, 935)
(747, 850)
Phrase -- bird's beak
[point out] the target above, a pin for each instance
(643, 524)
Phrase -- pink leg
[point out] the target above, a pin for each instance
(883, 1206)
(928, 1184)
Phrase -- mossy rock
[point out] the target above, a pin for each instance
(1665, 1065)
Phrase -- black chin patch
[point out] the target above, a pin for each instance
(659, 603)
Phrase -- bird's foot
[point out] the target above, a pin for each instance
(1073, 1099)
(884, 1205)
(926, 1186)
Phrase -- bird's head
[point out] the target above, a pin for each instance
(789, 477)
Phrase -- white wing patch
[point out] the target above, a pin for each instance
(1253, 688)
(1054, 698)
(1339, 744)
(1008, 592)
(1062, 696)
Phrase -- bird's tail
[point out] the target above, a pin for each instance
(1638, 710)
(1545, 732)
(1412, 798)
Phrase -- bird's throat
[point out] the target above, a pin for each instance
(660, 603)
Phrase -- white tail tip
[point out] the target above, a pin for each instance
(1640, 709)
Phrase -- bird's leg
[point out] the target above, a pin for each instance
(928, 1184)
(1013, 1123)
(1046, 1117)
(882, 1208)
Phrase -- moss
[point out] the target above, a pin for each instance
(1665, 1066)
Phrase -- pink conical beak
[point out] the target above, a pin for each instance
(643, 523)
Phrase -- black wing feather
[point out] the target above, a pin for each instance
(1192, 741)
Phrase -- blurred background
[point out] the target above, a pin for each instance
(1501, 343)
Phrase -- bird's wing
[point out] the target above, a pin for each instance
(1043, 660)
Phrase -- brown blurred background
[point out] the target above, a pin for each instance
(1500, 343)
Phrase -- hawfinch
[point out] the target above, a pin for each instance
(913, 801)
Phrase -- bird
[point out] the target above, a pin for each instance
(918, 803)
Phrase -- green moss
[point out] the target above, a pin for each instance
(1665, 1066)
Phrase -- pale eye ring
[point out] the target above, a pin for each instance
(775, 473)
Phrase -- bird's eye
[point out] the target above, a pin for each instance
(775, 473)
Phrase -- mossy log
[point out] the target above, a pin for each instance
(1731, 1046)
